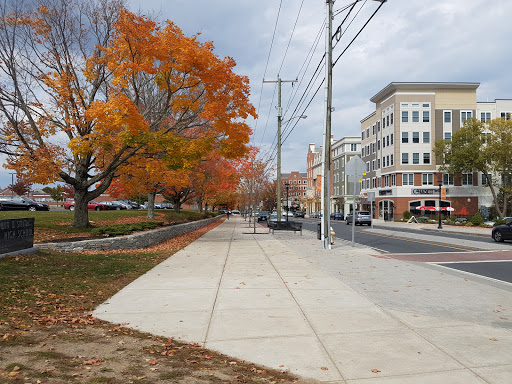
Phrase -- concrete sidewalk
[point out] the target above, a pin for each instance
(282, 302)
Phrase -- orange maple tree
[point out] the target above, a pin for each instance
(99, 85)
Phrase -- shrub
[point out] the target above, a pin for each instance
(125, 229)
(407, 215)
(477, 219)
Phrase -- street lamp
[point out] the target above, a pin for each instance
(287, 185)
(469, 208)
(440, 182)
(12, 183)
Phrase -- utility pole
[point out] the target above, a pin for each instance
(279, 117)
(326, 217)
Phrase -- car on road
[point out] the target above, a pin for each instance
(273, 217)
(362, 217)
(91, 205)
(502, 232)
(337, 216)
(21, 203)
(263, 216)
(298, 214)
(114, 205)
(314, 215)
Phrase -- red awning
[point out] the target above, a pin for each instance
(425, 208)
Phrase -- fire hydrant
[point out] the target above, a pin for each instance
(332, 236)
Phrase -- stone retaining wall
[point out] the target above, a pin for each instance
(133, 241)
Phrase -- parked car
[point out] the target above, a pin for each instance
(132, 204)
(91, 205)
(21, 203)
(314, 215)
(298, 214)
(114, 205)
(263, 216)
(273, 217)
(337, 216)
(362, 217)
(502, 232)
(235, 212)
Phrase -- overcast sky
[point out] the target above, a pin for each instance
(406, 41)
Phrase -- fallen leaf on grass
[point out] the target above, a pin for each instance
(153, 362)
(324, 369)
(375, 371)
(93, 362)
(493, 339)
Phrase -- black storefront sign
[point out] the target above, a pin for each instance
(16, 234)
(385, 192)
(426, 191)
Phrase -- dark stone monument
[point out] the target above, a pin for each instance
(16, 234)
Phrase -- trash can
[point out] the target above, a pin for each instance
(319, 231)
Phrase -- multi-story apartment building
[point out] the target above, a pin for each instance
(397, 142)
(297, 186)
(314, 178)
(342, 151)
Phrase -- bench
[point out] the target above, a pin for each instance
(285, 226)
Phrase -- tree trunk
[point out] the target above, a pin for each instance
(151, 205)
(81, 213)
(200, 204)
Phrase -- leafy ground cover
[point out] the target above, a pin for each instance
(47, 334)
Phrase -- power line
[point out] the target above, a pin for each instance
(266, 66)
(291, 36)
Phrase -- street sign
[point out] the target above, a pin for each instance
(355, 168)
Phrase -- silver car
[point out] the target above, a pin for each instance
(362, 217)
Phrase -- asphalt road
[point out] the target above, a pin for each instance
(403, 241)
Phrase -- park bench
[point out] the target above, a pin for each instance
(284, 226)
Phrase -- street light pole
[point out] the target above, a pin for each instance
(12, 182)
(469, 208)
(440, 182)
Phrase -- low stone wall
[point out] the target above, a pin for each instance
(134, 241)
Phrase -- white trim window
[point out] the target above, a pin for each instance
(447, 117)
(427, 179)
(407, 178)
(448, 136)
(465, 115)
(426, 158)
(448, 179)
(426, 137)
(405, 158)
(467, 179)
(485, 116)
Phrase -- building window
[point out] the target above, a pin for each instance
(378, 126)
(415, 105)
(505, 115)
(362, 153)
(393, 179)
(448, 136)
(391, 160)
(373, 165)
(447, 179)
(383, 142)
(426, 116)
(426, 158)
(391, 118)
(416, 137)
(405, 116)
(484, 179)
(415, 158)
(415, 116)
(374, 182)
(408, 179)
(426, 105)
(378, 144)
(447, 116)
(378, 163)
(404, 105)
(391, 139)
(373, 129)
(426, 137)
(467, 179)
(405, 137)
(465, 115)
(367, 133)
(353, 147)
(383, 161)
(362, 135)
(387, 140)
(485, 116)
(427, 178)
(387, 121)
(405, 158)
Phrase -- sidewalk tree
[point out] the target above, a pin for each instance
(484, 148)
(88, 85)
